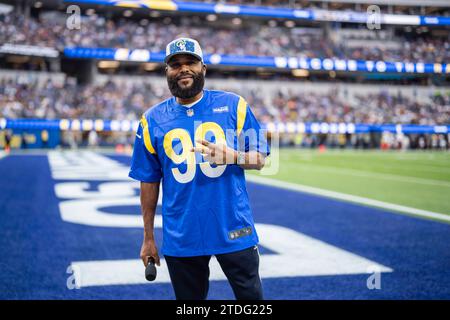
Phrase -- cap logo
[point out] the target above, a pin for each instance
(182, 46)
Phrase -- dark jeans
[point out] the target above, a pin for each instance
(190, 275)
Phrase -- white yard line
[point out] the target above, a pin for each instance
(347, 197)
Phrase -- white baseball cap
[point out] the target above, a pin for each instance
(184, 46)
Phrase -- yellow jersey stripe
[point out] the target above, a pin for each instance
(241, 114)
(146, 133)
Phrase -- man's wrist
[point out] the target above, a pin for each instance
(149, 236)
(235, 157)
(240, 157)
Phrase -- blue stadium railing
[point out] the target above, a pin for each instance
(289, 127)
(141, 55)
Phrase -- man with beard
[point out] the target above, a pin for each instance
(199, 142)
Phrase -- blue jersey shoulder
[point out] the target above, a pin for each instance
(218, 94)
(157, 111)
(230, 99)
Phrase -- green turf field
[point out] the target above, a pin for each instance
(415, 179)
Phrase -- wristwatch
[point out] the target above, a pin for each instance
(240, 159)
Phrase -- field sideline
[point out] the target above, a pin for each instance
(414, 179)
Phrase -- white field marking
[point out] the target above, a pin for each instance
(378, 176)
(85, 206)
(86, 212)
(297, 255)
(78, 190)
(347, 197)
(85, 165)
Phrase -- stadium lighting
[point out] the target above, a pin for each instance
(106, 64)
(300, 73)
(211, 17)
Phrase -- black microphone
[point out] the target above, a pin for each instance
(150, 270)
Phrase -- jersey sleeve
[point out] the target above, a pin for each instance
(250, 135)
(145, 165)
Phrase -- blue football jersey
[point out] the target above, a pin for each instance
(205, 207)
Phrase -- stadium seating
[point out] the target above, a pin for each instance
(253, 40)
(51, 99)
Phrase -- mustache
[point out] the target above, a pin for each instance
(184, 75)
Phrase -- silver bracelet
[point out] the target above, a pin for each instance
(240, 157)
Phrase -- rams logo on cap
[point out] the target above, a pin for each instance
(182, 46)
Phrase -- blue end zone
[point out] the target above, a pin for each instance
(37, 246)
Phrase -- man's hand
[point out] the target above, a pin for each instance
(149, 201)
(218, 154)
(149, 250)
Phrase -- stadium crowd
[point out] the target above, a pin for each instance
(255, 39)
(113, 101)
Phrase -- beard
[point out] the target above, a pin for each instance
(198, 81)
